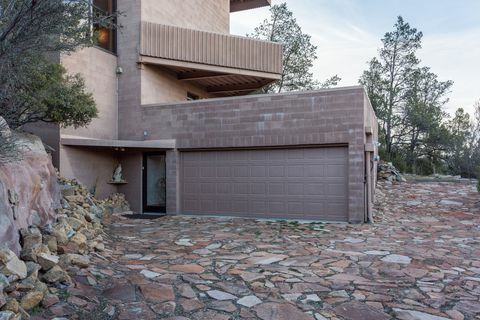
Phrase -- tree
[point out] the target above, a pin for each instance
(386, 79)
(32, 88)
(422, 114)
(298, 51)
(459, 148)
(50, 95)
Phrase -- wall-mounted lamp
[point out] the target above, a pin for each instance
(119, 70)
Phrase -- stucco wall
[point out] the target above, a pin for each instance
(93, 168)
(205, 15)
(161, 86)
(328, 117)
(98, 68)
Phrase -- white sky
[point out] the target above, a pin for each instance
(348, 32)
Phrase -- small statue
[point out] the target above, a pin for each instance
(118, 175)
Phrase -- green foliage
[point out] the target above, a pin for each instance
(386, 79)
(32, 35)
(415, 132)
(298, 51)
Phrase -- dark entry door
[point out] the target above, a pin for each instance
(154, 183)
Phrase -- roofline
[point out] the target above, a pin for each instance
(241, 5)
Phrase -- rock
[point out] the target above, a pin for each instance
(184, 242)
(249, 301)
(356, 310)
(417, 315)
(277, 311)
(121, 292)
(446, 202)
(165, 308)
(377, 253)
(31, 244)
(157, 292)
(56, 275)
(3, 299)
(265, 258)
(76, 224)
(31, 300)
(74, 259)
(60, 235)
(186, 291)
(187, 268)
(4, 281)
(49, 300)
(32, 269)
(396, 258)
(8, 315)
(51, 242)
(190, 305)
(12, 305)
(220, 295)
(80, 240)
(226, 306)
(11, 265)
(150, 274)
(47, 261)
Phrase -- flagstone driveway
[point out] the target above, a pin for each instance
(421, 260)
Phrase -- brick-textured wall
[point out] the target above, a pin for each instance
(324, 117)
(172, 178)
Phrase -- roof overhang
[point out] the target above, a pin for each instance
(239, 5)
(218, 81)
(74, 141)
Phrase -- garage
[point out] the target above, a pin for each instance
(293, 183)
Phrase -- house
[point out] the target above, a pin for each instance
(176, 111)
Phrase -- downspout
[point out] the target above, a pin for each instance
(368, 181)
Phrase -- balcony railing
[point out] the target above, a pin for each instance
(206, 48)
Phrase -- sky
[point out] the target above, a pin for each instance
(348, 34)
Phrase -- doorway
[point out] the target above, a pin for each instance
(154, 183)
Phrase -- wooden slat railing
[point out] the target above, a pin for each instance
(174, 43)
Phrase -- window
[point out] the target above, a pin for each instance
(106, 36)
(192, 96)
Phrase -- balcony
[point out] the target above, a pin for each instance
(222, 64)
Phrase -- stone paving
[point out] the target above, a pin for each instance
(420, 260)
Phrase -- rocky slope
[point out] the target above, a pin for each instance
(51, 254)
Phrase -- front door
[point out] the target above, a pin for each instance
(154, 183)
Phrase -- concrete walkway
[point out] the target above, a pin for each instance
(421, 260)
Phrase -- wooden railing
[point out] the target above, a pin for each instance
(174, 43)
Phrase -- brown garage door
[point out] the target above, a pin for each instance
(307, 183)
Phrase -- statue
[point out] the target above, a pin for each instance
(118, 175)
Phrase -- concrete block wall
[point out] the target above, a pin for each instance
(327, 117)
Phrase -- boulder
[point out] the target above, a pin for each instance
(31, 184)
(69, 259)
(47, 261)
(56, 275)
(11, 265)
(31, 300)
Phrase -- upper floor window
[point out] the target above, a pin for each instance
(107, 36)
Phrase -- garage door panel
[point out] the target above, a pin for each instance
(308, 183)
(315, 170)
(258, 171)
